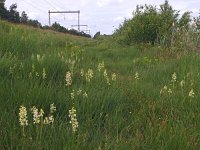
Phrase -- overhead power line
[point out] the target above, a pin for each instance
(64, 12)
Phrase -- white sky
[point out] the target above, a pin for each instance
(99, 15)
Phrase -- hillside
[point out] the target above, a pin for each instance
(106, 96)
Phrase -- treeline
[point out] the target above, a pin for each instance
(13, 15)
(161, 25)
(57, 27)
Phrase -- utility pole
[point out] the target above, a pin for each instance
(49, 18)
(71, 12)
(79, 21)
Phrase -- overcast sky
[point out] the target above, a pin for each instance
(99, 15)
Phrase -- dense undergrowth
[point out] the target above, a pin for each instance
(104, 96)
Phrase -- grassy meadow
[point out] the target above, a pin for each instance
(60, 91)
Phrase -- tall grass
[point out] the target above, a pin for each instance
(129, 113)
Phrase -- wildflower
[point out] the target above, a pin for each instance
(38, 57)
(100, 66)
(41, 113)
(82, 72)
(170, 91)
(37, 74)
(114, 77)
(72, 95)
(51, 119)
(73, 119)
(46, 120)
(68, 79)
(108, 81)
(79, 92)
(137, 76)
(89, 75)
(105, 74)
(106, 77)
(52, 108)
(85, 95)
(165, 87)
(44, 75)
(182, 83)
(23, 116)
(36, 115)
(191, 93)
(174, 77)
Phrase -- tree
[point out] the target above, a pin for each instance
(184, 21)
(57, 27)
(34, 23)
(24, 17)
(97, 35)
(168, 20)
(13, 14)
(3, 10)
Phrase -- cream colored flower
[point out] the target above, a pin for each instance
(46, 120)
(73, 119)
(51, 119)
(79, 92)
(191, 93)
(82, 72)
(85, 95)
(37, 74)
(114, 77)
(170, 91)
(68, 79)
(182, 83)
(137, 76)
(23, 116)
(105, 74)
(36, 115)
(72, 94)
(52, 108)
(89, 75)
(164, 89)
(100, 66)
(38, 57)
(174, 77)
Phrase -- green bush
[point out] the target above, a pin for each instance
(153, 25)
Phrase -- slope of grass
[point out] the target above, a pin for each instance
(134, 112)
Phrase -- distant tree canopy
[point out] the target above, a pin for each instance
(97, 35)
(57, 27)
(13, 15)
(152, 25)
